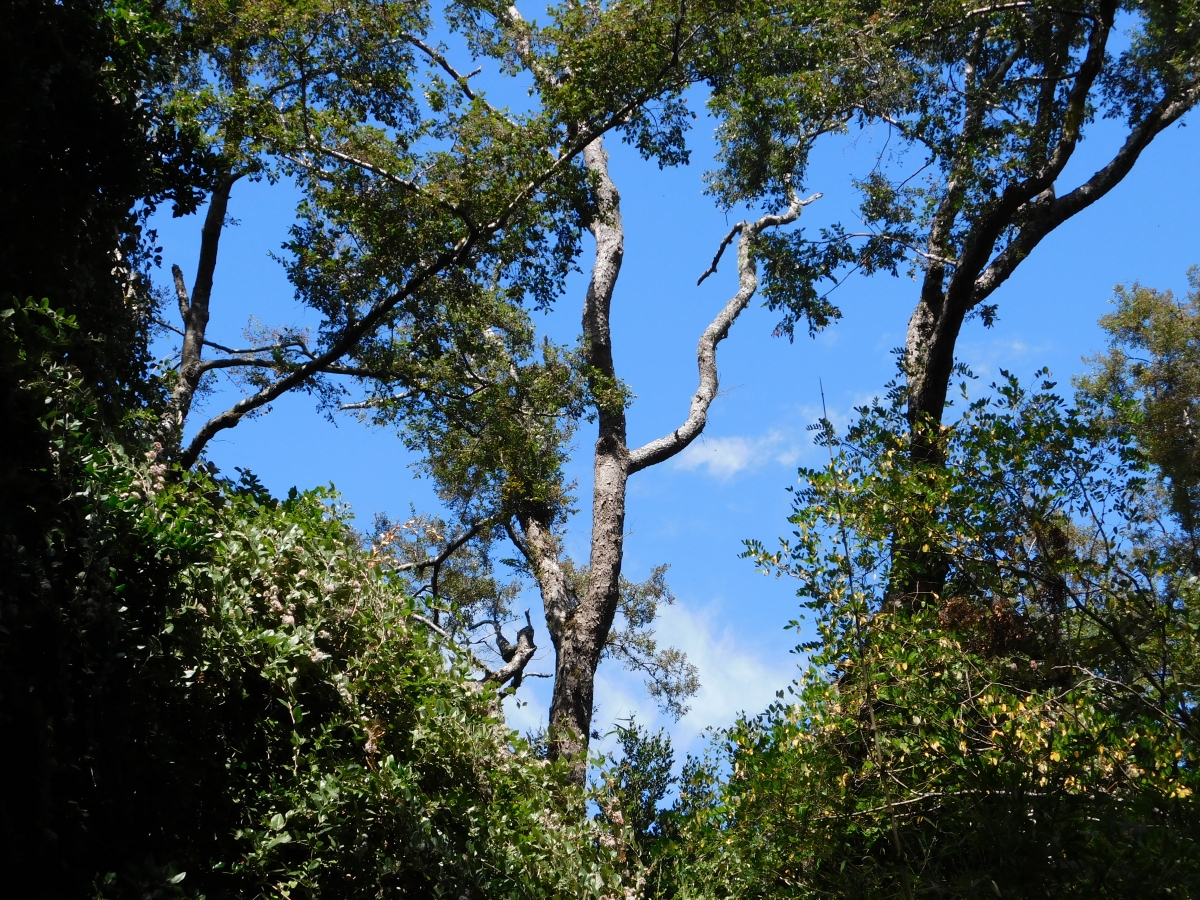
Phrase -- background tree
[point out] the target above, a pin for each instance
(1149, 383)
(496, 452)
(990, 104)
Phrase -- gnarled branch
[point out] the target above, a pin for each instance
(665, 447)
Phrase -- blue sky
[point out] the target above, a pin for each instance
(695, 511)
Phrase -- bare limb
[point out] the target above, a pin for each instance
(377, 401)
(516, 656)
(243, 362)
(195, 313)
(435, 627)
(207, 343)
(517, 542)
(999, 7)
(449, 550)
(725, 242)
(907, 245)
(440, 59)
(366, 166)
(181, 293)
(667, 446)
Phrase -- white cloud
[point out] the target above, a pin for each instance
(735, 673)
(986, 355)
(724, 457)
(736, 676)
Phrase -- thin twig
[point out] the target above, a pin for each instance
(725, 242)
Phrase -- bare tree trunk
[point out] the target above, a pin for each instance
(195, 314)
(579, 643)
(580, 631)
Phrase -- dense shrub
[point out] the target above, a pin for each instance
(213, 692)
(1027, 732)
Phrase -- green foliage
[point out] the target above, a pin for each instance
(467, 593)
(1028, 732)
(369, 761)
(670, 679)
(983, 106)
(638, 782)
(1148, 383)
(209, 692)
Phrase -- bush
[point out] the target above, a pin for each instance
(209, 692)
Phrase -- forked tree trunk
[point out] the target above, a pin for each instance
(194, 311)
(580, 631)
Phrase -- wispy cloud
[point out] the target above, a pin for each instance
(986, 355)
(724, 457)
(735, 673)
(736, 676)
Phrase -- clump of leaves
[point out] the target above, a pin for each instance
(1148, 381)
(350, 753)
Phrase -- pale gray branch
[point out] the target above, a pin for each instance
(446, 553)
(181, 294)
(522, 653)
(667, 446)
(376, 401)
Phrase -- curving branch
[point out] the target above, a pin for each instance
(665, 447)
(440, 59)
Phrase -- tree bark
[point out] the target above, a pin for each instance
(195, 314)
(579, 627)
(579, 633)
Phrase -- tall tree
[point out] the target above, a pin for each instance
(467, 208)
(580, 626)
(990, 103)
(495, 442)
(422, 243)
(985, 107)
